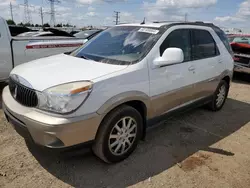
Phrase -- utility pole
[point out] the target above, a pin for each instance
(186, 17)
(116, 17)
(41, 14)
(11, 11)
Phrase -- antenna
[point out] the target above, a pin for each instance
(27, 15)
(52, 12)
(116, 17)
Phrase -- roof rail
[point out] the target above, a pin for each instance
(205, 23)
(164, 21)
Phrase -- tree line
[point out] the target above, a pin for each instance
(11, 22)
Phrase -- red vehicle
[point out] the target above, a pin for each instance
(240, 44)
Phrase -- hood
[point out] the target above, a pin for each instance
(47, 72)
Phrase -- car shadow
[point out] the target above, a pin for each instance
(242, 78)
(171, 142)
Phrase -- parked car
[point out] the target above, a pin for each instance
(17, 50)
(36, 34)
(87, 34)
(241, 48)
(16, 30)
(105, 92)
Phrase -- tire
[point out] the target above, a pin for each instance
(107, 148)
(214, 105)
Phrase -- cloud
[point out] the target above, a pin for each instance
(88, 2)
(7, 2)
(127, 17)
(173, 9)
(91, 14)
(91, 8)
(242, 15)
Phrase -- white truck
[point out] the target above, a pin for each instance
(17, 50)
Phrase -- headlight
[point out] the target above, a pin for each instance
(64, 98)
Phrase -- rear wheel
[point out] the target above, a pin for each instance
(220, 96)
(119, 134)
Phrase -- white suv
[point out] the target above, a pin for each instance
(104, 92)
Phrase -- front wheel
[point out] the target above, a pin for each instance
(119, 134)
(220, 96)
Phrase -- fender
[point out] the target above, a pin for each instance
(126, 97)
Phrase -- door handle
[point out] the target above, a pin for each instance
(192, 68)
(220, 61)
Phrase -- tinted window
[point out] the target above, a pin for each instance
(179, 39)
(203, 45)
(224, 39)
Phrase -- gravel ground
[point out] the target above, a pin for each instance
(196, 149)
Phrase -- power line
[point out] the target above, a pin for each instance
(27, 15)
(117, 17)
(52, 12)
(11, 11)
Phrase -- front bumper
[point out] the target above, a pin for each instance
(241, 68)
(47, 130)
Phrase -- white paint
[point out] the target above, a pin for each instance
(111, 80)
(20, 52)
(148, 30)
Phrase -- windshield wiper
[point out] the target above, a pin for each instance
(84, 57)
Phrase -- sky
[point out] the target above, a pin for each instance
(225, 13)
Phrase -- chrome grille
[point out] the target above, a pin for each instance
(22, 94)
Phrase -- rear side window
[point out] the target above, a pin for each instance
(224, 39)
(179, 38)
(203, 45)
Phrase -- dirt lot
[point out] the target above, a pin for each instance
(197, 149)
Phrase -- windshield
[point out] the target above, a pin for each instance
(120, 45)
(85, 34)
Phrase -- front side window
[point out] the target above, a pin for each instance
(120, 45)
(203, 45)
(179, 39)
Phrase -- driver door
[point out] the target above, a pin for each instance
(170, 85)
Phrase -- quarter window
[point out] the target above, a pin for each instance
(180, 39)
(203, 45)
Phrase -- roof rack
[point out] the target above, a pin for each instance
(164, 21)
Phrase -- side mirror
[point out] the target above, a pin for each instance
(169, 57)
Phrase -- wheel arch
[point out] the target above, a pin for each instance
(138, 100)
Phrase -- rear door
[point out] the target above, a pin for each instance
(206, 64)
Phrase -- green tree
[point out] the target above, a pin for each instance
(10, 22)
(59, 25)
(27, 24)
(46, 25)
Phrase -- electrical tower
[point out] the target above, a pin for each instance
(41, 14)
(186, 17)
(117, 17)
(27, 15)
(11, 11)
(52, 12)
